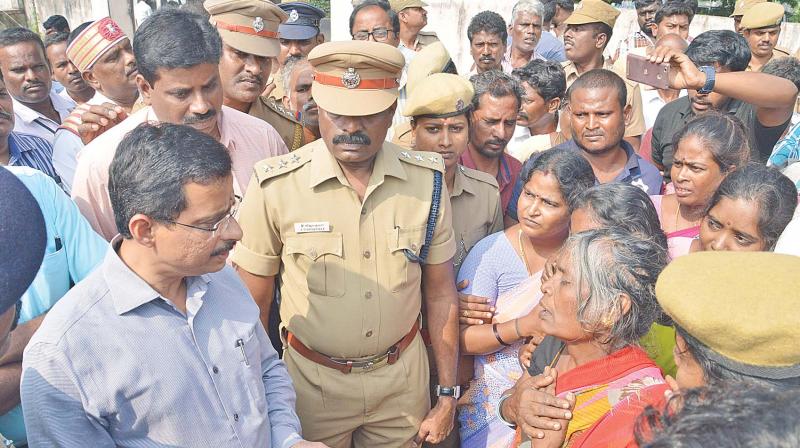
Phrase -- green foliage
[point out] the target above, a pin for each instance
(324, 5)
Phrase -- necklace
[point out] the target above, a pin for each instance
(522, 249)
(677, 217)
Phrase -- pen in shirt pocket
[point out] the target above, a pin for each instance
(59, 245)
(240, 346)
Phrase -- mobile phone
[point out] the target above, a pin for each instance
(640, 69)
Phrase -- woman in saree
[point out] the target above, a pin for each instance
(749, 211)
(708, 148)
(599, 300)
(505, 268)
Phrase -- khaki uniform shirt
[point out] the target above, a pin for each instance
(475, 203)
(347, 288)
(292, 132)
(634, 98)
(777, 53)
(278, 92)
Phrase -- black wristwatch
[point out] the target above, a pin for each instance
(711, 76)
(444, 391)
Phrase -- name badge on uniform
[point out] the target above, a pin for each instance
(312, 227)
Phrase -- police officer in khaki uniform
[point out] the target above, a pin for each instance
(761, 26)
(739, 9)
(599, 12)
(432, 59)
(249, 31)
(361, 237)
(413, 17)
(439, 106)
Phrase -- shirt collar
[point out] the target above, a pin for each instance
(128, 290)
(324, 166)
(462, 183)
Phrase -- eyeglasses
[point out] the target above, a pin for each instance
(379, 34)
(220, 226)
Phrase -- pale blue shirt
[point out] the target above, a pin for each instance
(115, 365)
(73, 250)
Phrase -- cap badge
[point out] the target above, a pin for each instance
(351, 79)
(459, 104)
(258, 24)
(293, 16)
(109, 30)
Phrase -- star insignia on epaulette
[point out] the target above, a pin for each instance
(268, 168)
(405, 154)
(283, 164)
(462, 168)
(433, 159)
(419, 158)
(295, 159)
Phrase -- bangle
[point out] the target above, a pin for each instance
(497, 336)
(516, 328)
(500, 411)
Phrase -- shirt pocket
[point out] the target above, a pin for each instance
(403, 272)
(50, 284)
(250, 357)
(320, 257)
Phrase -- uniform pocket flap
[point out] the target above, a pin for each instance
(410, 239)
(315, 245)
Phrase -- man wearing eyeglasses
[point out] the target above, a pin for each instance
(161, 344)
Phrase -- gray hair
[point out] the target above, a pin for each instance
(292, 62)
(534, 7)
(607, 264)
(497, 84)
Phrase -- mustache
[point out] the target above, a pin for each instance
(310, 105)
(496, 141)
(200, 118)
(34, 84)
(258, 79)
(358, 138)
(131, 71)
(227, 246)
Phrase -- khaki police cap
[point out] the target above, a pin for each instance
(593, 11)
(431, 59)
(399, 5)
(250, 26)
(743, 5)
(762, 15)
(355, 78)
(440, 95)
(741, 305)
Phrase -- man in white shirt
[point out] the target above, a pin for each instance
(27, 75)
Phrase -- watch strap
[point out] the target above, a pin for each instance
(711, 77)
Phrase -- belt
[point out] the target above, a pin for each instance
(346, 366)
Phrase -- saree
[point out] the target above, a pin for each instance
(495, 373)
(610, 394)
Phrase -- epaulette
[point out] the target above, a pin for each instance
(479, 176)
(425, 159)
(278, 108)
(427, 37)
(276, 166)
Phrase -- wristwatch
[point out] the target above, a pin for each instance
(711, 76)
(443, 391)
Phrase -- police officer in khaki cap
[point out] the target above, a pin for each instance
(739, 9)
(413, 18)
(360, 232)
(249, 31)
(439, 106)
(589, 29)
(761, 26)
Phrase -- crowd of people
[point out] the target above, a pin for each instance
(227, 230)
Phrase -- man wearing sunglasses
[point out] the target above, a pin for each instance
(22, 244)
(162, 342)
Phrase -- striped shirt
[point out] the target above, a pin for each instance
(115, 365)
(32, 151)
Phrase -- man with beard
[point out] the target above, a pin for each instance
(298, 76)
(177, 55)
(26, 72)
(413, 18)
(64, 71)
(597, 114)
(713, 72)
(162, 335)
(525, 31)
(588, 32)
(761, 26)
(493, 120)
(643, 37)
(488, 35)
(363, 240)
(104, 58)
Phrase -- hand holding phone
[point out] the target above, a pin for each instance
(640, 69)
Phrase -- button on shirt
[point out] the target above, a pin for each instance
(115, 365)
(247, 138)
(28, 121)
(73, 250)
(637, 172)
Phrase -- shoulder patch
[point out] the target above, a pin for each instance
(425, 159)
(479, 176)
(276, 166)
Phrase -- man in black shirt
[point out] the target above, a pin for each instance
(763, 102)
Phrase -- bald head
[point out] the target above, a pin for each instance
(672, 41)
